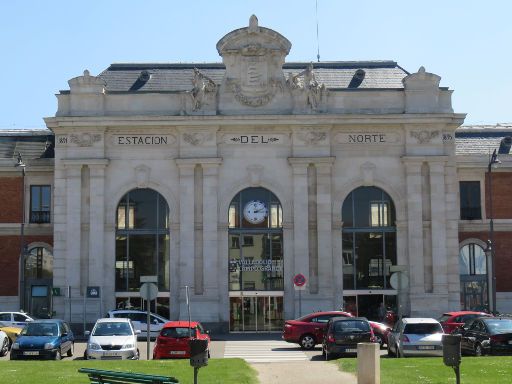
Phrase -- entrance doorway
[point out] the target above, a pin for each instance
(368, 304)
(255, 313)
(473, 293)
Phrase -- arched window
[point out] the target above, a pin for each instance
(472, 260)
(255, 241)
(369, 239)
(142, 239)
(39, 264)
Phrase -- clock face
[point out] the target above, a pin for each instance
(255, 212)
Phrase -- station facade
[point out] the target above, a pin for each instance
(232, 178)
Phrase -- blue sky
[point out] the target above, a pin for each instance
(45, 43)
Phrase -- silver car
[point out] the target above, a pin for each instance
(112, 339)
(416, 337)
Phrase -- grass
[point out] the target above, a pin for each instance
(225, 371)
(473, 370)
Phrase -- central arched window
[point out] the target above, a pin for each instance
(39, 264)
(472, 260)
(142, 239)
(369, 239)
(255, 241)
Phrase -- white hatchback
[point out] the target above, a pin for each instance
(416, 337)
(15, 319)
(139, 320)
(112, 339)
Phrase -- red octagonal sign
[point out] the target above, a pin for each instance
(299, 280)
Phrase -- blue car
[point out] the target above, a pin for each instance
(44, 339)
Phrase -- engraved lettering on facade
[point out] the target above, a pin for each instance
(142, 140)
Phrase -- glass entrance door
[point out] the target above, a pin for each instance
(256, 313)
(473, 293)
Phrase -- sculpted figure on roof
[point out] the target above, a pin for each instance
(306, 81)
(202, 85)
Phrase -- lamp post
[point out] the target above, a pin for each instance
(493, 163)
(21, 165)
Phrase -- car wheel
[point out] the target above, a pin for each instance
(137, 356)
(5, 347)
(390, 352)
(307, 342)
(379, 340)
(58, 355)
(478, 350)
(71, 350)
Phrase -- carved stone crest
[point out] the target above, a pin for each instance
(424, 137)
(197, 138)
(312, 137)
(253, 57)
(85, 139)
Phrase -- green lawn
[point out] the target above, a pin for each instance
(225, 371)
(473, 370)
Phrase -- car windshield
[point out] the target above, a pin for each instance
(499, 326)
(443, 318)
(178, 332)
(423, 329)
(40, 329)
(112, 329)
(351, 326)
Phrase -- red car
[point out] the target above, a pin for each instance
(380, 332)
(309, 330)
(172, 342)
(453, 320)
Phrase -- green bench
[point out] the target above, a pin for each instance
(97, 376)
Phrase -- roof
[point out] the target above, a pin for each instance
(419, 320)
(480, 139)
(181, 323)
(176, 77)
(30, 143)
(113, 320)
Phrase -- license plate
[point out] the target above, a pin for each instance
(351, 350)
(31, 353)
(177, 352)
(110, 353)
(429, 347)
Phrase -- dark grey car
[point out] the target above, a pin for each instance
(343, 334)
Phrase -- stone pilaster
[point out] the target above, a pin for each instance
(438, 227)
(415, 226)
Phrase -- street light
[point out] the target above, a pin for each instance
(21, 165)
(491, 255)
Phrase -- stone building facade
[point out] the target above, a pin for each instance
(232, 178)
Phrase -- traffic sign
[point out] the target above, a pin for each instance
(299, 281)
(149, 291)
(93, 292)
(398, 280)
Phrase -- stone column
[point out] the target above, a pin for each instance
(73, 236)
(187, 249)
(324, 228)
(101, 263)
(337, 260)
(438, 227)
(415, 226)
(210, 223)
(300, 221)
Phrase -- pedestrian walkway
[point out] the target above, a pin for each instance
(263, 351)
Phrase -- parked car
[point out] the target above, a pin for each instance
(453, 320)
(112, 339)
(416, 337)
(47, 339)
(15, 319)
(139, 320)
(4, 343)
(12, 332)
(343, 333)
(486, 335)
(174, 337)
(309, 330)
(380, 331)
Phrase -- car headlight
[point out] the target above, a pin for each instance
(128, 346)
(15, 346)
(49, 346)
(93, 346)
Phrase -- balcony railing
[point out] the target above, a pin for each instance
(40, 217)
(470, 213)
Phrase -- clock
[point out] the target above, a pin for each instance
(255, 212)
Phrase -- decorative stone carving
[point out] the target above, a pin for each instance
(142, 173)
(255, 172)
(203, 89)
(85, 139)
(305, 82)
(197, 138)
(86, 84)
(253, 57)
(368, 170)
(424, 136)
(312, 137)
